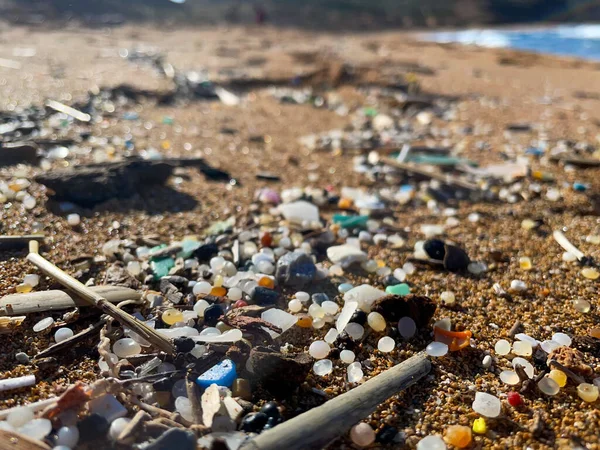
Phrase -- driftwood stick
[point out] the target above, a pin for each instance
(20, 241)
(317, 427)
(193, 393)
(76, 338)
(13, 440)
(445, 179)
(55, 300)
(100, 302)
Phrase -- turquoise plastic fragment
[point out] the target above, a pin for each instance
(155, 249)
(350, 221)
(223, 374)
(188, 247)
(398, 289)
(161, 267)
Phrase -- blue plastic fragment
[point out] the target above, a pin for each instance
(535, 151)
(222, 374)
(579, 187)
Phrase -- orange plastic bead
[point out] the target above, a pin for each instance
(458, 435)
(266, 239)
(545, 292)
(218, 291)
(455, 340)
(266, 282)
(304, 321)
(345, 203)
(595, 333)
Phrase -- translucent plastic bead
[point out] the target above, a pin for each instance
(355, 330)
(36, 429)
(354, 373)
(559, 376)
(117, 426)
(319, 349)
(23, 288)
(67, 436)
(73, 220)
(518, 286)
(590, 273)
(323, 367)
(331, 336)
(525, 263)
(31, 279)
(409, 268)
(183, 405)
(43, 324)
(581, 305)
(370, 265)
(202, 287)
(62, 334)
(548, 386)
(399, 275)
(234, 294)
(407, 327)
(200, 307)
(126, 347)
(29, 202)
(527, 366)
(386, 344)
(344, 287)
(347, 356)
(569, 257)
(171, 316)
(336, 270)
(487, 405)
(134, 268)
(20, 416)
(562, 339)
(509, 377)
(527, 224)
(376, 321)
(522, 348)
(295, 305)
(362, 435)
(549, 345)
(448, 298)
(302, 296)
(502, 347)
(458, 435)
(330, 307)
(433, 442)
(587, 392)
(436, 349)
(316, 311)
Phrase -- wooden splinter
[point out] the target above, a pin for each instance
(317, 427)
(100, 302)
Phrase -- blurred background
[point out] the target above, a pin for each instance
(312, 14)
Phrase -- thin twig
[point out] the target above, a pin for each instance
(100, 302)
(193, 393)
(75, 339)
(568, 372)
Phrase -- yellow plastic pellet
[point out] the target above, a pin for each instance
(23, 288)
(558, 376)
(171, 316)
(587, 392)
(525, 263)
(479, 426)
(590, 274)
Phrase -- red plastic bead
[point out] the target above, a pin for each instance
(239, 304)
(514, 399)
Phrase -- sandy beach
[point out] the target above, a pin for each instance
(494, 88)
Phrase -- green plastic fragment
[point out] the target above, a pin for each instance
(398, 289)
(167, 120)
(370, 112)
(188, 247)
(161, 267)
(350, 221)
(155, 249)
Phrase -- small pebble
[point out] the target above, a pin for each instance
(22, 358)
(362, 435)
(323, 367)
(518, 286)
(487, 362)
(386, 344)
